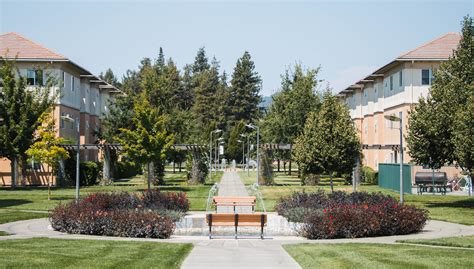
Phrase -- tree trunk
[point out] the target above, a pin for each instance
(49, 183)
(179, 166)
(174, 167)
(284, 167)
(278, 165)
(23, 173)
(289, 168)
(149, 175)
(106, 168)
(330, 180)
(14, 170)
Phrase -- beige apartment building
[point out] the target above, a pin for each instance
(394, 88)
(82, 96)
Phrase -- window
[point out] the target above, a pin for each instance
(365, 128)
(425, 77)
(391, 83)
(400, 78)
(375, 127)
(64, 79)
(72, 83)
(62, 120)
(34, 77)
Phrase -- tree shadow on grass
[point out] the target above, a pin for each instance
(466, 203)
(13, 202)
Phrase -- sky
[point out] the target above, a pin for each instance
(347, 39)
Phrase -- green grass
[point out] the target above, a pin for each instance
(458, 209)
(60, 253)
(35, 198)
(458, 241)
(15, 215)
(378, 256)
(2, 233)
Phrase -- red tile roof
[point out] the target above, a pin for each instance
(440, 48)
(13, 44)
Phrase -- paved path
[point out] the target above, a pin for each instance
(231, 185)
(231, 253)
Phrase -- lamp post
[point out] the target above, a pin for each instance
(78, 124)
(210, 148)
(243, 151)
(248, 153)
(216, 164)
(400, 120)
(219, 166)
(251, 126)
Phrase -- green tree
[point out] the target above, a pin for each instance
(292, 105)
(329, 140)
(437, 134)
(21, 109)
(110, 77)
(244, 95)
(120, 116)
(234, 148)
(46, 149)
(464, 137)
(148, 142)
(205, 109)
(290, 108)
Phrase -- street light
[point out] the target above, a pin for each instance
(243, 150)
(216, 160)
(394, 118)
(248, 153)
(210, 148)
(77, 121)
(219, 166)
(251, 126)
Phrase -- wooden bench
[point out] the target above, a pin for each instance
(236, 220)
(235, 201)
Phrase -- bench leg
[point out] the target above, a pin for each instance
(235, 232)
(261, 233)
(210, 232)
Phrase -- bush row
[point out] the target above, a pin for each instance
(150, 214)
(342, 215)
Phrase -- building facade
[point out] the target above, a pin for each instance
(82, 97)
(391, 89)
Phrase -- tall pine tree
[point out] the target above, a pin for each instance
(244, 95)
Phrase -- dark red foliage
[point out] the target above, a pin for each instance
(121, 214)
(342, 215)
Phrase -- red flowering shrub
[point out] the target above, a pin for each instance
(150, 215)
(342, 215)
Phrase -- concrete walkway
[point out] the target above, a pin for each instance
(231, 185)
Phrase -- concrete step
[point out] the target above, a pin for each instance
(195, 224)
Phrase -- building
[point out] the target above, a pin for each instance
(394, 88)
(82, 95)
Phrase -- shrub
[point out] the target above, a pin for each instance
(342, 215)
(150, 214)
(126, 169)
(369, 175)
(88, 173)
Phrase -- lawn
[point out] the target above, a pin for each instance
(458, 241)
(15, 215)
(61, 253)
(13, 201)
(458, 209)
(2, 233)
(378, 256)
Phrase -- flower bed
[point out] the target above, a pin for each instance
(151, 214)
(343, 215)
